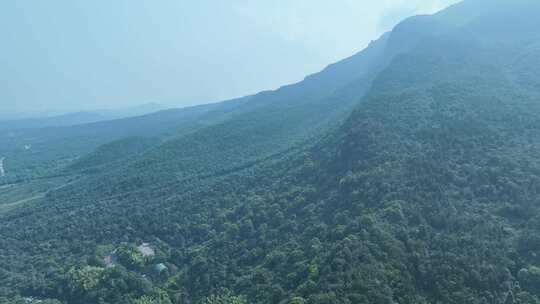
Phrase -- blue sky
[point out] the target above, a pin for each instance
(67, 55)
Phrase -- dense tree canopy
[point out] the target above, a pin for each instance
(427, 193)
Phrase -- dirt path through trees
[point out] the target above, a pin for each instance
(2, 171)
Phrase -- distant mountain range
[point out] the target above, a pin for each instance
(37, 120)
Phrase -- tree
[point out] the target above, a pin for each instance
(130, 257)
(84, 280)
(224, 297)
(298, 300)
(159, 297)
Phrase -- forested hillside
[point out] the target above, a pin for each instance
(44, 151)
(415, 180)
(33, 152)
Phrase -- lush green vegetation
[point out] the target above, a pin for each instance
(41, 152)
(427, 193)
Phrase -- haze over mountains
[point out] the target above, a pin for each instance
(73, 56)
(408, 173)
(14, 121)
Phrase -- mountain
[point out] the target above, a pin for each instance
(40, 152)
(415, 180)
(133, 111)
(13, 122)
(311, 105)
(53, 121)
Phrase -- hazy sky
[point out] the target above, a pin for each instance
(86, 54)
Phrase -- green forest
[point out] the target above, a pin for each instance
(414, 179)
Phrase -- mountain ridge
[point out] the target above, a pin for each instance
(423, 191)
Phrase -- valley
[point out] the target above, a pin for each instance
(29, 192)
